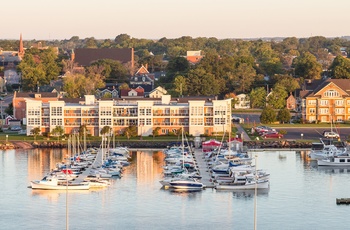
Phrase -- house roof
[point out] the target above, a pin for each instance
(343, 84)
(140, 91)
(85, 56)
(142, 70)
(32, 95)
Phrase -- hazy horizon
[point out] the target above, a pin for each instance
(155, 19)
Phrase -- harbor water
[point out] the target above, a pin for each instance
(301, 196)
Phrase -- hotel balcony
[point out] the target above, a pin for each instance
(72, 124)
(171, 123)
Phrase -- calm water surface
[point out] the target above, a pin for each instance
(301, 196)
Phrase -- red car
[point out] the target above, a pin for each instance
(272, 135)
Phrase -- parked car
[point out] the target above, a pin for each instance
(330, 134)
(272, 135)
(264, 129)
(15, 128)
(236, 119)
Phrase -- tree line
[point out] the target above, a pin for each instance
(228, 67)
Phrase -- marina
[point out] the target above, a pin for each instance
(300, 196)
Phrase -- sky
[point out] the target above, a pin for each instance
(155, 19)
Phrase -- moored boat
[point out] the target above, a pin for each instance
(52, 184)
(334, 161)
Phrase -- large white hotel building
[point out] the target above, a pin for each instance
(198, 115)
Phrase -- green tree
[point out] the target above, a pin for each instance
(268, 115)
(107, 95)
(105, 130)
(113, 71)
(306, 66)
(90, 42)
(78, 85)
(9, 109)
(243, 77)
(180, 85)
(155, 131)
(200, 82)
(283, 115)
(176, 66)
(258, 97)
(130, 131)
(340, 68)
(277, 98)
(35, 132)
(288, 82)
(38, 67)
(58, 131)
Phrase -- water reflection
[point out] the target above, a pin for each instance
(247, 193)
(55, 195)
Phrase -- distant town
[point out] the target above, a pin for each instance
(141, 87)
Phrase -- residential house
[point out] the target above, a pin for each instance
(242, 101)
(291, 102)
(107, 91)
(132, 93)
(328, 101)
(143, 79)
(194, 57)
(157, 92)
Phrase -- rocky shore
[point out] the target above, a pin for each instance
(278, 144)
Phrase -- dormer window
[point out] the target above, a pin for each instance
(331, 93)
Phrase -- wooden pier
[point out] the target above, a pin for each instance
(203, 168)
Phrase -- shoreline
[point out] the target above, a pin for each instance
(250, 145)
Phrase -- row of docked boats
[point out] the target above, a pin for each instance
(92, 168)
(181, 170)
(232, 169)
(330, 153)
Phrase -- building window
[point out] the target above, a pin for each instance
(106, 121)
(142, 121)
(331, 93)
(339, 111)
(312, 110)
(324, 102)
(324, 111)
(34, 121)
(56, 111)
(34, 111)
(106, 111)
(196, 121)
(148, 121)
(312, 118)
(339, 102)
(311, 102)
(142, 111)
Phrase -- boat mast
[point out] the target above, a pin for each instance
(256, 192)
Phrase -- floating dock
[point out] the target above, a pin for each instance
(203, 168)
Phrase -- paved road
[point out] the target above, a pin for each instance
(313, 133)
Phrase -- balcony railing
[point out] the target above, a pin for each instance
(171, 123)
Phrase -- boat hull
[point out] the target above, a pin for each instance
(38, 185)
(260, 185)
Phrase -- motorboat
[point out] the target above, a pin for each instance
(53, 184)
(322, 150)
(250, 182)
(186, 184)
(334, 161)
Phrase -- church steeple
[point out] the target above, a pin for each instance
(21, 49)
